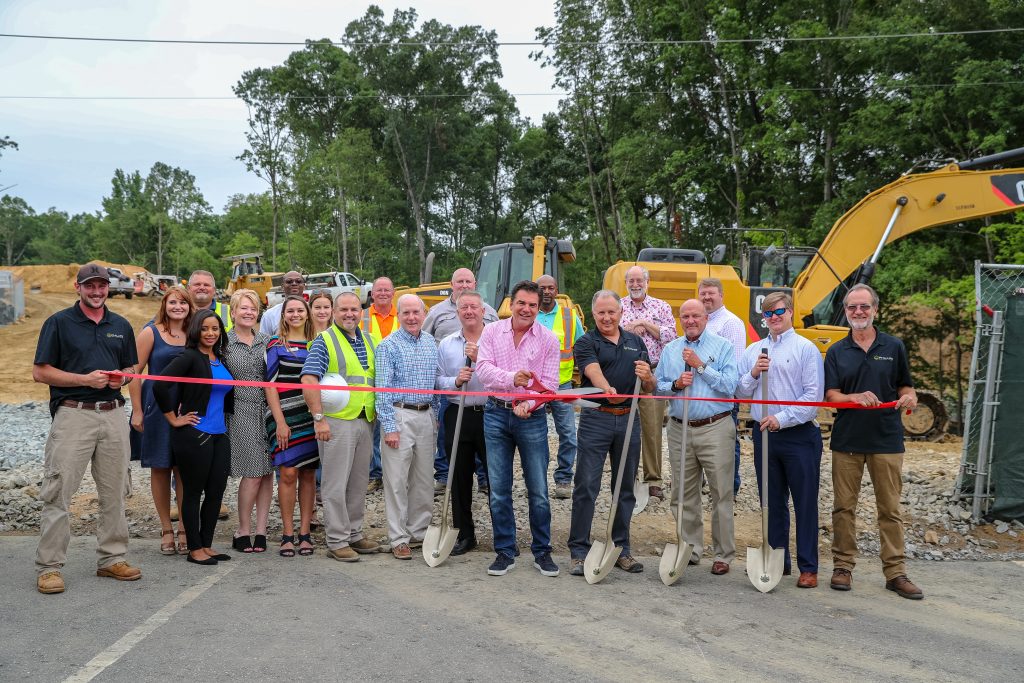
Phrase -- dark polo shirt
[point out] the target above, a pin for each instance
(71, 342)
(616, 360)
(882, 370)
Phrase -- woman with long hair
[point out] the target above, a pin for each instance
(158, 343)
(199, 440)
(321, 308)
(293, 445)
(246, 358)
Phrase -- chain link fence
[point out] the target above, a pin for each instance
(12, 298)
(992, 463)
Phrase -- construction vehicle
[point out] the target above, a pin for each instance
(818, 278)
(247, 273)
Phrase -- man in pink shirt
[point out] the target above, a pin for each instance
(513, 355)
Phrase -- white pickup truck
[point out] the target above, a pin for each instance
(334, 282)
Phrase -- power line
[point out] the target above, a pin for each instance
(524, 43)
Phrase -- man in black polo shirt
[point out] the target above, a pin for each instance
(76, 348)
(869, 368)
(610, 359)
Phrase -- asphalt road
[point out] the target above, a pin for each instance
(267, 618)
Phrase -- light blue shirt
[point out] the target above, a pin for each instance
(717, 381)
(407, 362)
(796, 373)
(451, 357)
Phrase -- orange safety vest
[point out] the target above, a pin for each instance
(371, 323)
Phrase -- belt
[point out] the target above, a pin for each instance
(706, 420)
(612, 410)
(412, 406)
(476, 409)
(503, 404)
(101, 405)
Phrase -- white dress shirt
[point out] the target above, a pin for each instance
(796, 373)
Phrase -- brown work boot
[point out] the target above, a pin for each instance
(904, 588)
(50, 582)
(122, 571)
(402, 551)
(365, 546)
(345, 554)
(627, 564)
(807, 580)
(842, 579)
(719, 568)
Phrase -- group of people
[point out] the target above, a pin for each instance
(397, 434)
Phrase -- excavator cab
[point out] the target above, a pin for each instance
(500, 266)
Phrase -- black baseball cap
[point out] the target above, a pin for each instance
(91, 271)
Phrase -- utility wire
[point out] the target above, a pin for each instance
(524, 43)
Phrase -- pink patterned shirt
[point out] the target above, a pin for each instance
(658, 312)
(499, 359)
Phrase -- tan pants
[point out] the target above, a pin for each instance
(710, 449)
(652, 417)
(345, 463)
(79, 438)
(885, 470)
(409, 475)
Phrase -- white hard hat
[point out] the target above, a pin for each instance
(333, 400)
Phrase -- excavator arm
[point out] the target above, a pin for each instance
(916, 201)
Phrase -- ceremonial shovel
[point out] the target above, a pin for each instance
(765, 564)
(439, 540)
(676, 555)
(642, 493)
(603, 554)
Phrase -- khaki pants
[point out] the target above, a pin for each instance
(345, 471)
(709, 449)
(652, 417)
(885, 470)
(79, 438)
(409, 475)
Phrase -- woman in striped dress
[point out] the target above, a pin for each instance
(293, 445)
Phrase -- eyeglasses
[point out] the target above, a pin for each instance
(777, 311)
(294, 282)
(858, 307)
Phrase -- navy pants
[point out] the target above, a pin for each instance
(794, 469)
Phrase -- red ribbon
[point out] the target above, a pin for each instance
(445, 392)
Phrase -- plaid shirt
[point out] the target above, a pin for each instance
(498, 358)
(407, 362)
(658, 312)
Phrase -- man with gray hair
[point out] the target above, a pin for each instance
(407, 359)
(651, 319)
(611, 359)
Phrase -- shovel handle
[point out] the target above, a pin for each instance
(622, 461)
(455, 455)
(684, 428)
(764, 446)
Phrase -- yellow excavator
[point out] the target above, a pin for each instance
(247, 273)
(818, 278)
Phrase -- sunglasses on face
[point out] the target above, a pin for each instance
(858, 307)
(294, 282)
(777, 311)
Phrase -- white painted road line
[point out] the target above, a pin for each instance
(104, 659)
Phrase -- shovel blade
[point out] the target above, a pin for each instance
(437, 546)
(599, 561)
(765, 566)
(673, 561)
(642, 494)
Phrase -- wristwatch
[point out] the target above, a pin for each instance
(700, 370)
(317, 417)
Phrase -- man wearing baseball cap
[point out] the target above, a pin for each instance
(77, 347)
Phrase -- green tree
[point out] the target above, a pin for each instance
(16, 227)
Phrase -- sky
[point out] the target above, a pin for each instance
(69, 149)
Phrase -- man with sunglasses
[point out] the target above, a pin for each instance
(293, 284)
(794, 373)
(868, 367)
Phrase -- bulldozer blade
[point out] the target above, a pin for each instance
(765, 566)
(673, 561)
(642, 494)
(438, 544)
(599, 561)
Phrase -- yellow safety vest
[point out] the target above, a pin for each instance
(224, 311)
(343, 360)
(564, 327)
(371, 326)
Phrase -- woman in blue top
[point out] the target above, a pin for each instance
(199, 439)
(160, 342)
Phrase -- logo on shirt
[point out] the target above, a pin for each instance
(889, 358)
(116, 336)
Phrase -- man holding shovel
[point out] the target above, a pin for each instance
(610, 359)
(707, 363)
(868, 367)
(796, 372)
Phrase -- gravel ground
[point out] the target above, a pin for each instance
(937, 528)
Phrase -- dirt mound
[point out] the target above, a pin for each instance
(58, 279)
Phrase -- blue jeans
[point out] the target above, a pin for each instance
(602, 435)
(562, 414)
(504, 432)
(441, 455)
(376, 471)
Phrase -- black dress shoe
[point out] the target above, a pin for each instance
(207, 561)
(464, 545)
(220, 557)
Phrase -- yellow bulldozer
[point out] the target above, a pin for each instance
(247, 273)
